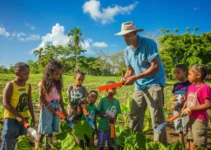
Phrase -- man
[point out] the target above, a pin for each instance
(145, 69)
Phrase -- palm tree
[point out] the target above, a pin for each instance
(75, 43)
(196, 28)
(176, 30)
(188, 29)
(39, 53)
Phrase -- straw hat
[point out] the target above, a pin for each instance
(128, 27)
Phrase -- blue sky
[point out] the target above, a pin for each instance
(29, 24)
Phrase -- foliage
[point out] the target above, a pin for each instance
(23, 143)
(186, 49)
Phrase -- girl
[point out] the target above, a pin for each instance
(51, 100)
(179, 90)
(198, 100)
(77, 93)
(17, 103)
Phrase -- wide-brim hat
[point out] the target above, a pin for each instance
(128, 27)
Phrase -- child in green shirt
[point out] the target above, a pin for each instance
(92, 111)
(108, 108)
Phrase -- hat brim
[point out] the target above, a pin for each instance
(128, 31)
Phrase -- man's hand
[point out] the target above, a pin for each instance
(186, 111)
(123, 80)
(64, 112)
(130, 80)
(173, 107)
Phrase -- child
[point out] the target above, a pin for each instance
(179, 91)
(17, 103)
(198, 100)
(77, 93)
(92, 110)
(51, 100)
(108, 109)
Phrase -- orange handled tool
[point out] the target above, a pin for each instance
(112, 128)
(173, 118)
(84, 109)
(31, 130)
(161, 126)
(110, 86)
(61, 115)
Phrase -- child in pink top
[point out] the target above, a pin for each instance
(198, 101)
(51, 100)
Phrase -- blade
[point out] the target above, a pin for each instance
(70, 123)
(160, 127)
(33, 132)
(91, 123)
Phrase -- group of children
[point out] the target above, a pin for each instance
(17, 102)
(191, 100)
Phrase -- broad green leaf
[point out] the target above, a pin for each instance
(155, 145)
(82, 128)
(176, 145)
(23, 143)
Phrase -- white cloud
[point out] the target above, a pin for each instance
(195, 9)
(3, 32)
(20, 34)
(33, 37)
(56, 37)
(32, 27)
(105, 15)
(100, 44)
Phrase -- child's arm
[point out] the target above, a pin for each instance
(6, 102)
(31, 110)
(204, 106)
(43, 100)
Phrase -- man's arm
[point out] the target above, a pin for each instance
(128, 73)
(154, 67)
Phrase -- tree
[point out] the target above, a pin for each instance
(39, 53)
(176, 30)
(188, 29)
(74, 44)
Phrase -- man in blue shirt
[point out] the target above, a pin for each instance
(145, 69)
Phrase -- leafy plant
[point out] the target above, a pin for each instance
(23, 143)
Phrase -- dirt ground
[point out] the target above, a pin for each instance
(172, 135)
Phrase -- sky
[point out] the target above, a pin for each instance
(26, 25)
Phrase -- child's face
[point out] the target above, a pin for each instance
(92, 97)
(111, 92)
(23, 75)
(79, 80)
(179, 74)
(193, 76)
(57, 74)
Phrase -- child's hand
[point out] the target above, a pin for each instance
(172, 107)
(33, 122)
(175, 98)
(20, 119)
(186, 111)
(64, 112)
(84, 101)
(183, 98)
(111, 119)
(51, 108)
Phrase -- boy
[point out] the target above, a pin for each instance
(108, 109)
(17, 103)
